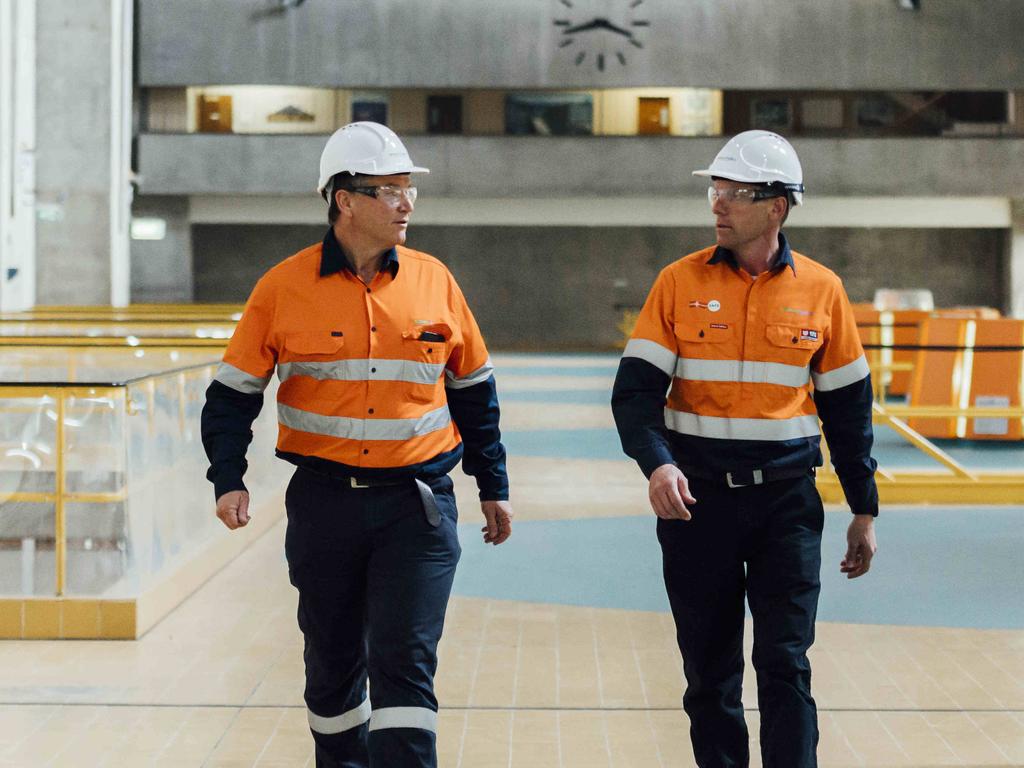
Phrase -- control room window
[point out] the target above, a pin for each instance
(444, 114)
(370, 106)
(549, 114)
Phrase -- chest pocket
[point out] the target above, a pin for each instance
(793, 344)
(704, 339)
(313, 346)
(425, 349)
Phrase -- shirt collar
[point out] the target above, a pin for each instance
(784, 258)
(333, 258)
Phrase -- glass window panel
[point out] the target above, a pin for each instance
(549, 114)
(27, 561)
(97, 557)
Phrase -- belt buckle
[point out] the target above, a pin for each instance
(356, 484)
(756, 475)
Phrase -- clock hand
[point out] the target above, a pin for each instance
(589, 26)
(605, 24)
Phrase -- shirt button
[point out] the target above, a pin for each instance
(374, 329)
(370, 411)
(429, 350)
(373, 370)
(794, 339)
(368, 290)
(366, 451)
(701, 334)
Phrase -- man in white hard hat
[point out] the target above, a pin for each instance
(385, 385)
(752, 342)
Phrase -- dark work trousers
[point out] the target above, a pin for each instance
(373, 577)
(762, 541)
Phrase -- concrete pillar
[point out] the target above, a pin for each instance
(17, 154)
(83, 106)
(1015, 260)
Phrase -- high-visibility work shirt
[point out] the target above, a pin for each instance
(376, 381)
(749, 365)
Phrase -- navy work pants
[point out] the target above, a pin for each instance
(373, 577)
(762, 542)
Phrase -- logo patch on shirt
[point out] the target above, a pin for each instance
(808, 334)
(712, 306)
(720, 326)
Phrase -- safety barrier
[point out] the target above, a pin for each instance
(105, 521)
(963, 364)
(952, 483)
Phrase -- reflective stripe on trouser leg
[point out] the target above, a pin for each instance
(346, 721)
(408, 582)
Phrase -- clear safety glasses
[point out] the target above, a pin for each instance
(740, 194)
(388, 193)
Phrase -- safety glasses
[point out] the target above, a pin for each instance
(741, 194)
(388, 193)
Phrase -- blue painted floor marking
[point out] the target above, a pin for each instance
(936, 567)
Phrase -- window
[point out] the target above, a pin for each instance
(444, 114)
(549, 114)
(371, 106)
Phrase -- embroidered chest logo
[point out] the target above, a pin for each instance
(808, 334)
(711, 306)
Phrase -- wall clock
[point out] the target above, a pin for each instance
(600, 33)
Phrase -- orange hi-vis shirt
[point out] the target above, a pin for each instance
(744, 352)
(749, 365)
(363, 369)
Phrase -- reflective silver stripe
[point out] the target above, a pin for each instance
(363, 370)
(346, 721)
(748, 371)
(842, 377)
(239, 380)
(363, 429)
(478, 376)
(404, 717)
(741, 429)
(651, 351)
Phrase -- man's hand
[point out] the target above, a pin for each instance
(669, 492)
(233, 509)
(860, 546)
(499, 516)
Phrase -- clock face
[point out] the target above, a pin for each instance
(600, 33)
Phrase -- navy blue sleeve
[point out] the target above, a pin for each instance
(227, 431)
(638, 404)
(846, 418)
(475, 412)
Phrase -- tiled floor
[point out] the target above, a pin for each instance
(522, 684)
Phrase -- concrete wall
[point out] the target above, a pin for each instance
(73, 108)
(531, 165)
(955, 44)
(162, 269)
(550, 288)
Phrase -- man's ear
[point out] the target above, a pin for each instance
(343, 200)
(780, 205)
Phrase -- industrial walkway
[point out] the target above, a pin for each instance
(559, 650)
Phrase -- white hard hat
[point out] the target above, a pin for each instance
(364, 147)
(760, 157)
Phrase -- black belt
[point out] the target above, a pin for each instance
(356, 482)
(743, 477)
(430, 509)
(426, 494)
